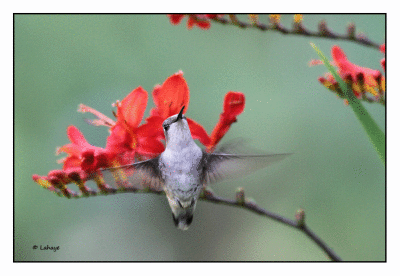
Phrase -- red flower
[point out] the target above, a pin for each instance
(128, 140)
(233, 106)
(362, 79)
(169, 99)
(175, 18)
(347, 68)
(82, 160)
(54, 181)
(382, 48)
(171, 96)
(82, 156)
(199, 20)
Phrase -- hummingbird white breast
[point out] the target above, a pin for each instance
(181, 171)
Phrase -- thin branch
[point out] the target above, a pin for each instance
(299, 224)
(208, 195)
(298, 29)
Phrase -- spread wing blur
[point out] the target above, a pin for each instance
(137, 176)
(221, 166)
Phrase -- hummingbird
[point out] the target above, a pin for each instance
(183, 169)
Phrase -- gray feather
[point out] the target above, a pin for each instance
(221, 166)
(137, 176)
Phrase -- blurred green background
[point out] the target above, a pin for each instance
(335, 173)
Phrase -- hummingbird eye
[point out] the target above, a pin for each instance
(166, 127)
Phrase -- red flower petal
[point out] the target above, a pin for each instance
(234, 103)
(76, 137)
(199, 20)
(71, 162)
(214, 15)
(346, 67)
(339, 57)
(175, 18)
(75, 148)
(171, 96)
(150, 147)
(132, 107)
(119, 140)
(382, 48)
(89, 161)
(76, 174)
(58, 174)
(152, 128)
(383, 64)
(202, 24)
(70, 149)
(198, 132)
(102, 160)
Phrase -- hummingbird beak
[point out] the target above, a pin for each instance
(180, 114)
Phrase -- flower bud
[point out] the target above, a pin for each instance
(240, 197)
(300, 217)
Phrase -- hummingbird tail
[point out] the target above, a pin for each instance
(183, 222)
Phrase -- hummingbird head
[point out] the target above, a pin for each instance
(176, 130)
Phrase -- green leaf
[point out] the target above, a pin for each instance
(375, 134)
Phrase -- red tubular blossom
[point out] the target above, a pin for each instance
(200, 20)
(131, 108)
(176, 18)
(171, 96)
(92, 160)
(169, 99)
(361, 79)
(346, 67)
(81, 155)
(382, 48)
(198, 132)
(58, 176)
(127, 138)
(234, 103)
(55, 181)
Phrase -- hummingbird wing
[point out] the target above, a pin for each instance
(136, 176)
(221, 166)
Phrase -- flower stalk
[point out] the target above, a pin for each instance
(204, 21)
